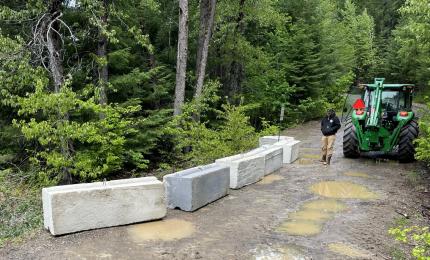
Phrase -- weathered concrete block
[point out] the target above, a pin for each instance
(244, 169)
(73, 208)
(273, 159)
(194, 188)
(271, 139)
(290, 150)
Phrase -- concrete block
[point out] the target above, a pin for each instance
(73, 208)
(244, 169)
(290, 150)
(196, 187)
(273, 159)
(271, 139)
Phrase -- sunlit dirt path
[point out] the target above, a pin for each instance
(304, 211)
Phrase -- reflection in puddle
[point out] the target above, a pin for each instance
(300, 228)
(342, 190)
(170, 229)
(347, 250)
(328, 205)
(311, 156)
(357, 174)
(270, 179)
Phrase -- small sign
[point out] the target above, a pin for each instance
(282, 113)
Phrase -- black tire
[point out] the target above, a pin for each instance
(408, 133)
(350, 141)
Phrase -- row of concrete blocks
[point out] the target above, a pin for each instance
(73, 208)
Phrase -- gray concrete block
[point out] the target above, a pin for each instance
(273, 157)
(290, 150)
(271, 139)
(244, 169)
(73, 208)
(196, 187)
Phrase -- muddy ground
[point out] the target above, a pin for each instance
(304, 211)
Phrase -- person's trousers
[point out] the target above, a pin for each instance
(327, 143)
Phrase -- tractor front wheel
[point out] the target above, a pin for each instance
(406, 142)
(350, 141)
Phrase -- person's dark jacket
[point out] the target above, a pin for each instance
(330, 125)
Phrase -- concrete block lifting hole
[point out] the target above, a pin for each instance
(194, 188)
(271, 139)
(73, 208)
(273, 157)
(244, 169)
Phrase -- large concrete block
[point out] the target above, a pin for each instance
(244, 169)
(194, 188)
(273, 159)
(73, 208)
(290, 150)
(271, 139)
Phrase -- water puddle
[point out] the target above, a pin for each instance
(311, 156)
(300, 228)
(348, 250)
(288, 252)
(170, 229)
(293, 252)
(357, 174)
(270, 179)
(304, 161)
(310, 215)
(342, 190)
(327, 205)
(310, 218)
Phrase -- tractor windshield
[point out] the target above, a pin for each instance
(392, 101)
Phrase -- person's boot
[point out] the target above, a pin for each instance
(323, 159)
(327, 162)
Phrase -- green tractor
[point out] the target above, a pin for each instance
(382, 120)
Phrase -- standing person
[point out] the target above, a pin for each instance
(329, 127)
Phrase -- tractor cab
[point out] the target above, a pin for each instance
(395, 101)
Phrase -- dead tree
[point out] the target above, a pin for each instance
(181, 63)
(47, 45)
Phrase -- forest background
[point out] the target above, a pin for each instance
(95, 89)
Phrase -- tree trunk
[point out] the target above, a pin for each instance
(236, 68)
(207, 13)
(102, 55)
(57, 73)
(181, 63)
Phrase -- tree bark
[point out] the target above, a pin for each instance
(207, 14)
(53, 42)
(236, 68)
(102, 55)
(181, 63)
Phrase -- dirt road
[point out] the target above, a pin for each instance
(305, 211)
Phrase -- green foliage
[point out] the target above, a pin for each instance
(98, 144)
(419, 237)
(20, 207)
(413, 38)
(423, 142)
(199, 143)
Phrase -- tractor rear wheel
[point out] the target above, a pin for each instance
(406, 142)
(350, 141)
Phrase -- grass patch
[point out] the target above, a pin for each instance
(20, 210)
